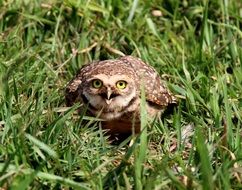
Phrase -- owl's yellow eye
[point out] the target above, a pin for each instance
(121, 84)
(96, 83)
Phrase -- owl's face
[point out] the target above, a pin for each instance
(108, 95)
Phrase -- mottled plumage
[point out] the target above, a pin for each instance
(111, 90)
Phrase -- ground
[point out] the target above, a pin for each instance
(196, 46)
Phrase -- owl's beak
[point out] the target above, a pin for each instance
(108, 95)
(109, 92)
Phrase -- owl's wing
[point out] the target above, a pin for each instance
(159, 94)
(71, 94)
(162, 99)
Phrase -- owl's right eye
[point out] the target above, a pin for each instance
(96, 83)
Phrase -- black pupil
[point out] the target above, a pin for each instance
(97, 83)
(121, 84)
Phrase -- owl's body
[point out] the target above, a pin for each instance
(111, 90)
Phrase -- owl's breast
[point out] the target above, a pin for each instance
(125, 125)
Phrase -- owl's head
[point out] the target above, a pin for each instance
(109, 95)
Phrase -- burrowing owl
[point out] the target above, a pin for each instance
(111, 91)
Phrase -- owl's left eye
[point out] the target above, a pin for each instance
(121, 84)
(96, 83)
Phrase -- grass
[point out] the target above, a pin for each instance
(194, 45)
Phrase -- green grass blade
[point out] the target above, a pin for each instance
(42, 146)
(206, 166)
